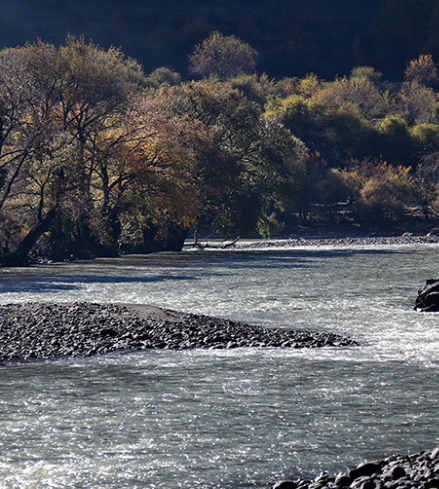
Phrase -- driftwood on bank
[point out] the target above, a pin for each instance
(224, 245)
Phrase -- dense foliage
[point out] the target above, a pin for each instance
(96, 158)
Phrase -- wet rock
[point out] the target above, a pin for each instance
(365, 469)
(397, 472)
(285, 485)
(428, 297)
(316, 485)
(363, 482)
(343, 480)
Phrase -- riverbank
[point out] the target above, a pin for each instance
(48, 330)
(420, 470)
(341, 239)
(324, 238)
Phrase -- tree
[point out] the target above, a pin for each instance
(36, 199)
(253, 87)
(162, 76)
(57, 102)
(427, 136)
(316, 184)
(336, 132)
(358, 94)
(366, 73)
(23, 126)
(416, 103)
(144, 183)
(223, 56)
(30, 159)
(95, 93)
(354, 178)
(377, 190)
(426, 180)
(422, 70)
(386, 195)
(242, 172)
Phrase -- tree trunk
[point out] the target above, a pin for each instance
(20, 257)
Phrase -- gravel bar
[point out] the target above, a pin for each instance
(48, 330)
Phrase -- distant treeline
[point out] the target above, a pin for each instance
(98, 158)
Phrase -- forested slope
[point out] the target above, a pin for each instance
(293, 37)
(101, 155)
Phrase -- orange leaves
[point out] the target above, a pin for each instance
(380, 189)
(151, 164)
(423, 70)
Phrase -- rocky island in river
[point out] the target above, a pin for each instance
(48, 330)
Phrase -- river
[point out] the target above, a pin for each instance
(245, 418)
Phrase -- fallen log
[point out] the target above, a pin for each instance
(224, 245)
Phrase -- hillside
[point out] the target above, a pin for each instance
(293, 37)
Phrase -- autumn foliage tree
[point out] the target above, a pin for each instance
(79, 145)
(378, 191)
(423, 70)
(94, 159)
(32, 152)
(243, 173)
(74, 94)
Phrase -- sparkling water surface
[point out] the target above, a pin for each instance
(242, 418)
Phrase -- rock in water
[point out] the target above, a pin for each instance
(428, 297)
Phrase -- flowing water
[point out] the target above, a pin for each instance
(228, 419)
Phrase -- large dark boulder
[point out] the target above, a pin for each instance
(428, 297)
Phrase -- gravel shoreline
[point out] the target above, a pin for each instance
(340, 240)
(420, 470)
(49, 330)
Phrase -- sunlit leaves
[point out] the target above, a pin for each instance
(223, 56)
(242, 170)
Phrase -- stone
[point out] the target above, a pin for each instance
(285, 485)
(365, 469)
(343, 480)
(364, 482)
(398, 472)
(316, 485)
(428, 297)
(416, 471)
